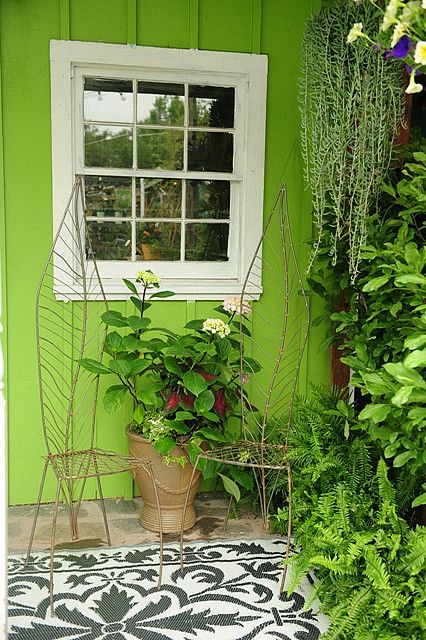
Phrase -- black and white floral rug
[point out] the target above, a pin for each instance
(227, 590)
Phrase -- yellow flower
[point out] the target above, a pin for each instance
(420, 52)
(390, 14)
(147, 278)
(397, 34)
(355, 32)
(413, 87)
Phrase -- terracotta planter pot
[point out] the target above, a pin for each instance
(172, 482)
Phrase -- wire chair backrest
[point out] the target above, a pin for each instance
(280, 322)
(69, 304)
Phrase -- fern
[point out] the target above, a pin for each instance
(345, 616)
(375, 569)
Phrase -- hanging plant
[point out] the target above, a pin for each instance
(351, 106)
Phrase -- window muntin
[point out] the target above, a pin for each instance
(163, 126)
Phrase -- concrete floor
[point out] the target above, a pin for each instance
(124, 525)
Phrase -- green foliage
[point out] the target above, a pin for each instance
(350, 104)
(349, 525)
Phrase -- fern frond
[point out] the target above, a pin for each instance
(360, 541)
(345, 616)
(375, 569)
(386, 491)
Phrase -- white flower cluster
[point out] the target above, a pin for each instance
(147, 278)
(236, 305)
(214, 325)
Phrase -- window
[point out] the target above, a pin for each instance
(170, 144)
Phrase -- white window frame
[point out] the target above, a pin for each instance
(71, 61)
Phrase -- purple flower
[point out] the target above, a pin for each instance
(409, 70)
(402, 47)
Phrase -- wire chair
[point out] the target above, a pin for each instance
(69, 304)
(279, 331)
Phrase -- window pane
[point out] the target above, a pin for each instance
(160, 149)
(211, 106)
(108, 100)
(111, 240)
(206, 242)
(207, 199)
(161, 103)
(210, 151)
(108, 146)
(158, 198)
(157, 241)
(107, 196)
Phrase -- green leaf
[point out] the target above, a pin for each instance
(114, 398)
(212, 417)
(113, 342)
(130, 343)
(137, 302)
(404, 374)
(136, 322)
(184, 415)
(411, 278)
(402, 458)
(194, 382)
(416, 359)
(375, 569)
(172, 365)
(374, 383)
(210, 434)
(242, 477)
(421, 499)
(129, 284)
(402, 396)
(375, 412)
(415, 341)
(139, 365)
(250, 365)
(204, 402)
(121, 367)
(94, 366)
(147, 396)
(194, 449)
(223, 348)
(231, 487)
(194, 324)
(114, 319)
(417, 415)
(164, 445)
(161, 294)
(375, 283)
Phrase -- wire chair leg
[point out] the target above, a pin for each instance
(228, 511)
(52, 545)
(101, 497)
(40, 494)
(289, 527)
(185, 507)
(80, 497)
(160, 524)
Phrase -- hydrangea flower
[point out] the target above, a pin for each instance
(148, 278)
(420, 52)
(214, 325)
(236, 305)
(355, 32)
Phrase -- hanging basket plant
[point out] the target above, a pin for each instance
(351, 102)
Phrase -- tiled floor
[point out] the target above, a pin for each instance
(124, 525)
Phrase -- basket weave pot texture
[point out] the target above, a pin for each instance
(172, 482)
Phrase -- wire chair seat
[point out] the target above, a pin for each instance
(77, 465)
(250, 454)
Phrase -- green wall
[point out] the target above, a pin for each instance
(272, 27)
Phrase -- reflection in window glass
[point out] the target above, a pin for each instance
(107, 146)
(157, 241)
(108, 100)
(158, 198)
(210, 151)
(206, 242)
(211, 106)
(207, 199)
(108, 196)
(160, 103)
(110, 240)
(160, 149)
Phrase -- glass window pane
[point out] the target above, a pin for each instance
(157, 198)
(108, 196)
(160, 149)
(206, 242)
(157, 241)
(207, 199)
(108, 146)
(108, 100)
(210, 151)
(161, 103)
(110, 240)
(211, 106)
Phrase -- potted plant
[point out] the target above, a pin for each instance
(185, 388)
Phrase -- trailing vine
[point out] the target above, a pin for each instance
(351, 106)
